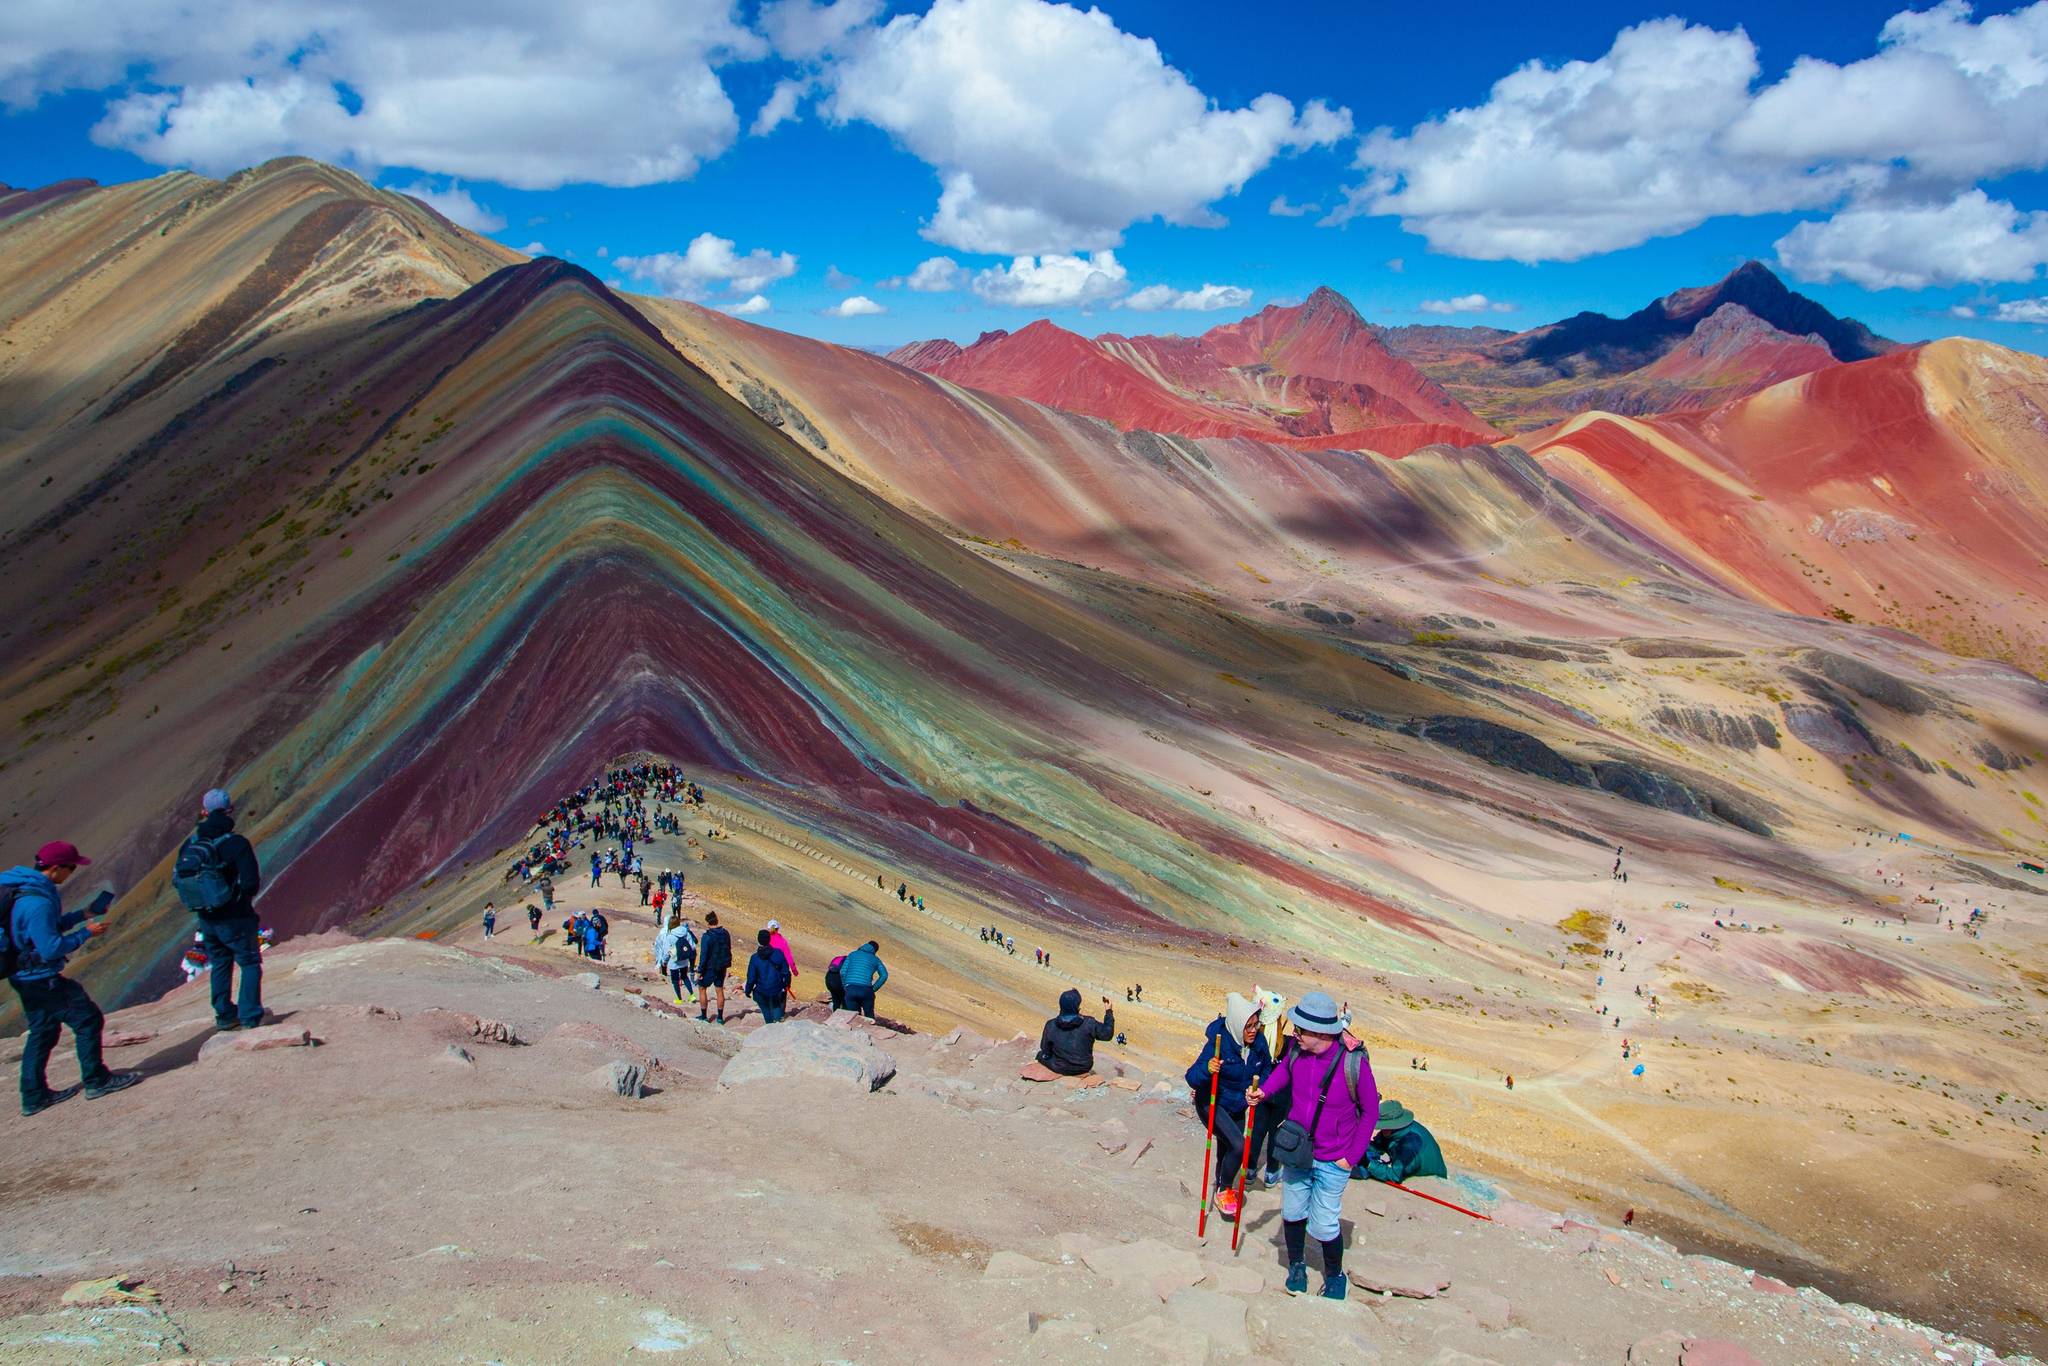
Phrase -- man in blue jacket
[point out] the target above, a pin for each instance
(1236, 1056)
(861, 975)
(43, 937)
(229, 930)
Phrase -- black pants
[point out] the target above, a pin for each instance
(1265, 1120)
(861, 1000)
(834, 989)
(1229, 1139)
(48, 1005)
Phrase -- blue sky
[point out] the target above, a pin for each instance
(1120, 170)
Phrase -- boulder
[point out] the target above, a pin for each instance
(800, 1048)
(457, 1055)
(1145, 1265)
(844, 1019)
(460, 1023)
(1715, 1352)
(620, 1077)
(1387, 1274)
(1216, 1316)
(1770, 1285)
(257, 1040)
(587, 979)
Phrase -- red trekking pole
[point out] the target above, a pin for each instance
(1237, 1226)
(1209, 1152)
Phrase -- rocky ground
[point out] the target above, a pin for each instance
(497, 1153)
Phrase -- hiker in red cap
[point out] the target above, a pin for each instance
(39, 938)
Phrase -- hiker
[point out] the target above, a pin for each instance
(645, 885)
(1234, 1053)
(593, 942)
(546, 885)
(1067, 1043)
(1323, 1137)
(37, 943)
(835, 986)
(861, 974)
(902, 891)
(490, 920)
(714, 960)
(683, 960)
(1400, 1149)
(780, 944)
(767, 981)
(216, 876)
(533, 921)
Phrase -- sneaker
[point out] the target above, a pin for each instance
(116, 1081)
(1228, 1203)
(49, 1098)
(1297, 1278)
(227, 1026)
(1271, 1176)
(1333, 1287)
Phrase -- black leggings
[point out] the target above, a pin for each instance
(1229, 1139)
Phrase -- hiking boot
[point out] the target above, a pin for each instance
(1228, 1203)
(1333, 1287)
(227, 1026)
(49, 1098)
(1271, 1176)
(1297, 1278)
(116, 1081)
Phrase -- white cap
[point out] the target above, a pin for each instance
(775, 924)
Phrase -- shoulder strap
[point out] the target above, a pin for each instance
(1328, 1082)
(1354, 1067)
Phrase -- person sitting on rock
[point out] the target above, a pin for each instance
(1067, 1043)
(862, 974)
(767, 981)
(1234, 1054)
(1401, 1148)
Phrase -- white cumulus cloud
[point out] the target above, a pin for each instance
(528, 93)
(710, 265)
(1280, 208)
(1051, 129)
(1206, 299)
(747, 307)
(1052, 281)
(934, 275)
(854, 306)
(534, 249)
(1465, 303)
(1878, 245)
(2021, 311)
(1671, 127)
(803, 30)
(835, 278)
(456, 205)
(779, 108)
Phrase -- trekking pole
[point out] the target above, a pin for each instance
(1237, 1226)
(1445, 1203)
(1208, 1152)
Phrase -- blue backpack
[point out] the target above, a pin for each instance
(201, 876)
(10, 961)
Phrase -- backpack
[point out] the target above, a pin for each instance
(201, 876)
(1293, 1143)
(10, 961)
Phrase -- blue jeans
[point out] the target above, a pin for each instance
(771, 1007)
(229, 944)
(1316, 1194)
(861, 1001)
(48, 1004)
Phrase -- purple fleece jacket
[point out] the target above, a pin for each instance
(1345, 1130)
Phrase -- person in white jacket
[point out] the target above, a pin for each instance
(675, 955)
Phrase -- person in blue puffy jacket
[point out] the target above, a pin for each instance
(1234, 1052)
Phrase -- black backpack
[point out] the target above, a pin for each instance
(201, 877)
(10, 960)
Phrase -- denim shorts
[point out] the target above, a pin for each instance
(1316, 1194)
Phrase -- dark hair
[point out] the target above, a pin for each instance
(711, 917)
(761, 938)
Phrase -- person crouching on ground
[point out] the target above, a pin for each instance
(1400, 1149)
(862, 973)
(1332, 1101)
(1235, 1055)
(1067, 1043)
(767, 979)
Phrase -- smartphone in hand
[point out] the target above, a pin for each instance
(99, 905)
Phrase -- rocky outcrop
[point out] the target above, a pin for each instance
(799, 1048)
(1731, 730)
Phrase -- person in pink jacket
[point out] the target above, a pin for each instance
(781, 946)
(1337, 1102)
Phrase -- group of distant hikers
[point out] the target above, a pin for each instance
(215, 876)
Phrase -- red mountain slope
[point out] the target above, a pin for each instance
(1313, 375)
